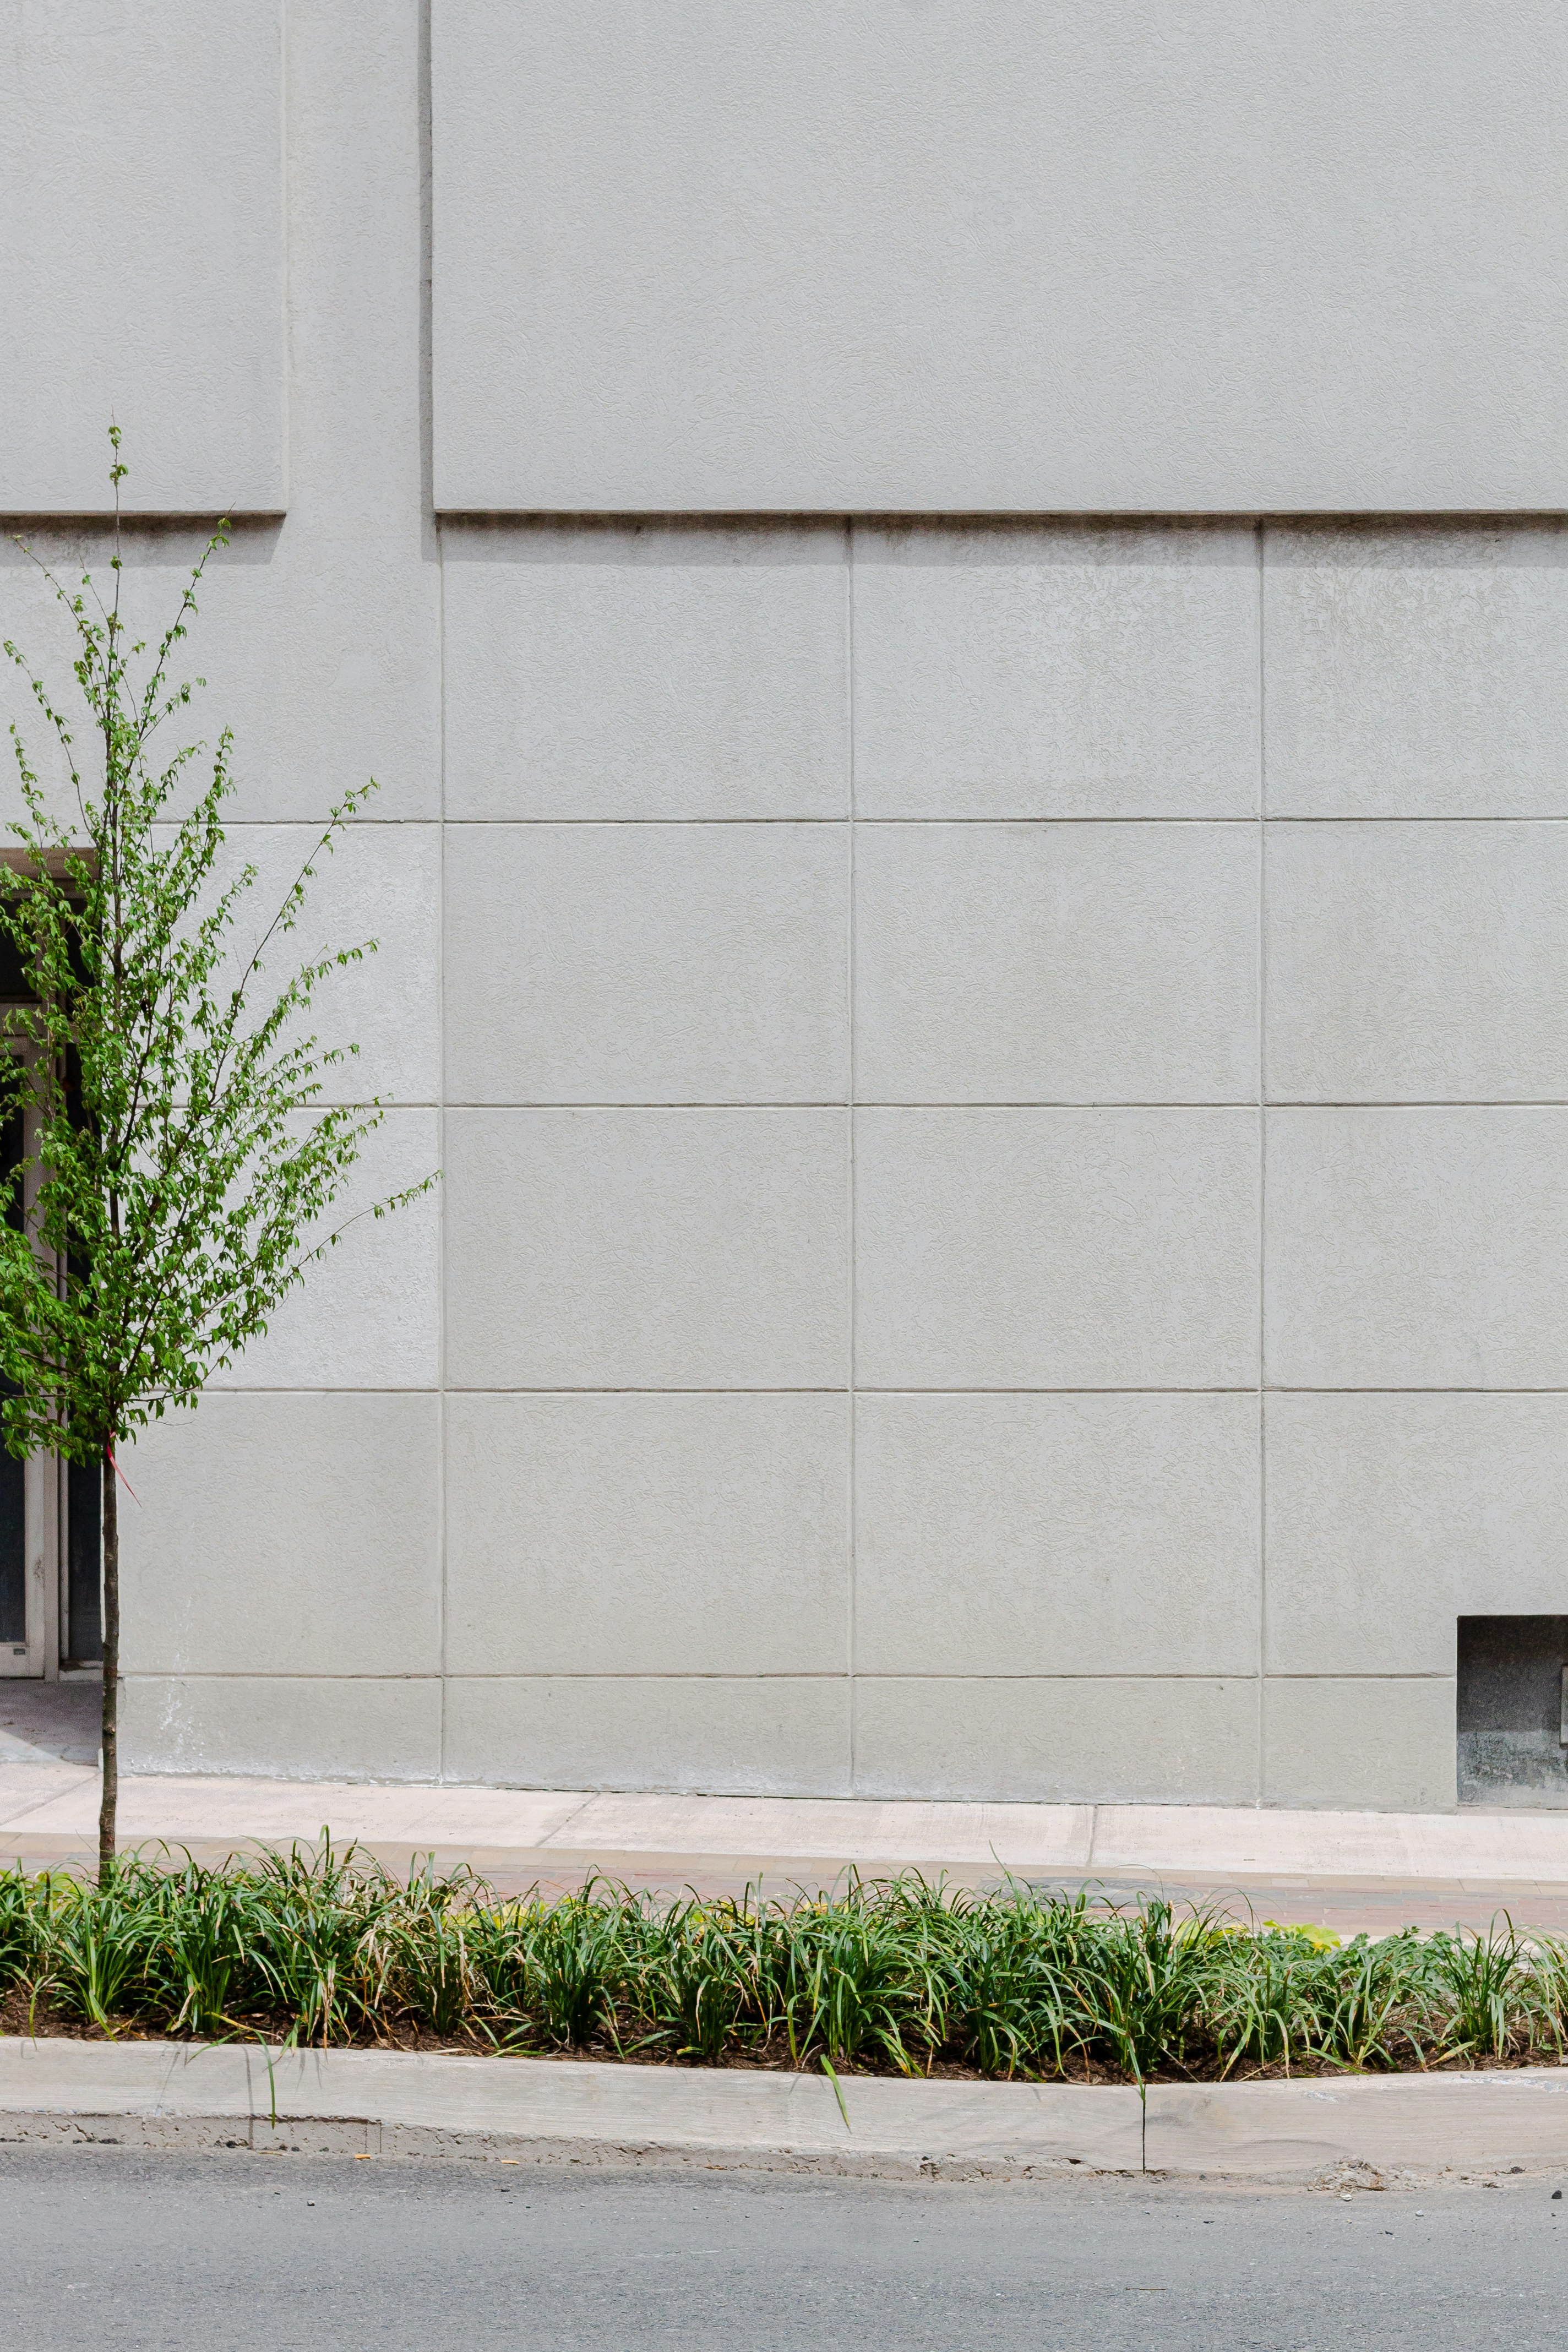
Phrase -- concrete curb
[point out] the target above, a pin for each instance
(1355, 2130)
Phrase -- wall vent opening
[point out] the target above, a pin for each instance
(1513, 1710)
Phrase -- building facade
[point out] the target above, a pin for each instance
(962, 615)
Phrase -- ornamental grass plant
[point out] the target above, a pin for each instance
(324, 1947)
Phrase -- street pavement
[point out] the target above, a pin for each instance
(103, 2248)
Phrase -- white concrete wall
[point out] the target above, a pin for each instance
(984, 255)
(1002, 1098)
(142, 253)
(284, 1597)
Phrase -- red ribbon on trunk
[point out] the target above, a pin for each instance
(109, 1458)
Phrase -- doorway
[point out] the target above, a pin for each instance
(50, 1517)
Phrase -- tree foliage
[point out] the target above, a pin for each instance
(182, 1157)
(183, 1161)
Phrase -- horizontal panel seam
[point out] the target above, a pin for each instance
(865, 1388)
(783, 1675)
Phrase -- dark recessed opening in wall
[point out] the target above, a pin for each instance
(1513, 1711)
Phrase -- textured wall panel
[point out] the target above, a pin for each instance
(859, 254)
(142, 263)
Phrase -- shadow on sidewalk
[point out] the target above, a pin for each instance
(50, 1722)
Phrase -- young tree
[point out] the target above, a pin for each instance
(182, 1164)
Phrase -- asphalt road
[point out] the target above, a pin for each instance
(103, 2248)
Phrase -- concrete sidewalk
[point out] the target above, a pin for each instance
(1352, 2131)
(1346, 1870)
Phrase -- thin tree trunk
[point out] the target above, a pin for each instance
(109, 1806)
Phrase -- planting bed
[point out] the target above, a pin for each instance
(324, 1948)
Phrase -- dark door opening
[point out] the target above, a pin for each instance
(13, 1472)
(83, 1643)
(50, 1520)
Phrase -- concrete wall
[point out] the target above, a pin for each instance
(986, 255)
(142, 193)
(1001, 1095)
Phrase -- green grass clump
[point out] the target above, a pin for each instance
(325, 1947)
